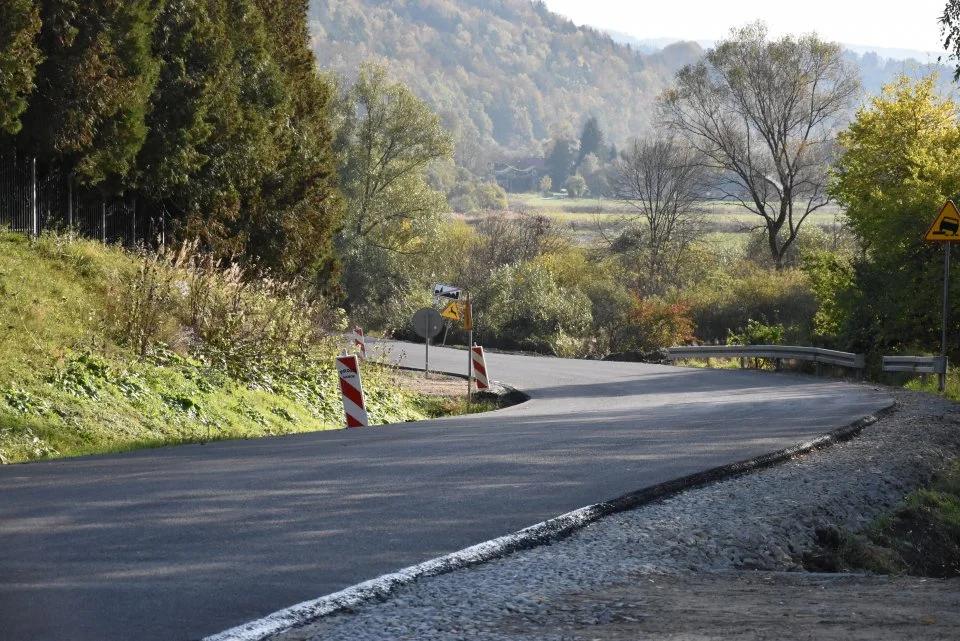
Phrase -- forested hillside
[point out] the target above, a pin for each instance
(502, 74)
(508, 75)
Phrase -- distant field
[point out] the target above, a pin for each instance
(587, 217)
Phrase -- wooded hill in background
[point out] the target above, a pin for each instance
(508, 75)
(502, 74)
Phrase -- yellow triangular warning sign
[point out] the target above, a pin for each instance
(451, 311)
(946, 228)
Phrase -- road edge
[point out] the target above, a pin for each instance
(307, 612)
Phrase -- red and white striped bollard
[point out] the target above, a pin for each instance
(480, 368)
(348, 368)
(360, 343)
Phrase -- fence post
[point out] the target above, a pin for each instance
(103, 222)
(33, 197)
(70, 202)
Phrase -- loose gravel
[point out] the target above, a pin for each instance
(762, 521)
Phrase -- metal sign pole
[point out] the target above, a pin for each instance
(945, 229)
(426, 340)
(469, 355)
(942, 376)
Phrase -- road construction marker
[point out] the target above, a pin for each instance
(480, 368)
(348, 367)
(359, 343)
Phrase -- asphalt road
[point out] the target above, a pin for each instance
(179, 543)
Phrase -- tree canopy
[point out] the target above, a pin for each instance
(765, 113)
(211, 113)
(19, 57)
(894, 172)
(499, 73)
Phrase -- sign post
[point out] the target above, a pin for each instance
(427, 323)
(945, 229)
(942, 376)
(468, 325)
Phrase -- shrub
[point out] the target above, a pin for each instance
(139, 303)
(756, 333)
(236, 319)
(546, 185)
(727, 301)
(655, 324)
(576, 186)
(523, 306)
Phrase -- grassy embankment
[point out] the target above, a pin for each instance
(921, 537)
(93, 359)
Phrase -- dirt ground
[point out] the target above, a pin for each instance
(752, 606)
(432, 385)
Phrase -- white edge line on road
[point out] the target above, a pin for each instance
(382, 586)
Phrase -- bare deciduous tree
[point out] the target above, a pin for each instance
(506, 240)
(765, 113)
(662, 179)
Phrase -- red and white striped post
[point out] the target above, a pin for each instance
(348, 367)
(359, 343)
(479, 368)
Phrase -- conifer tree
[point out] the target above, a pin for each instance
(93, 88)
(19, 57)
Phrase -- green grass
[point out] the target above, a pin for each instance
(928, 383)
(921, 537)
(68, 388)
(586, 214)
(436, 407)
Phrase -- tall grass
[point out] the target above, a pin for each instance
(107, 350)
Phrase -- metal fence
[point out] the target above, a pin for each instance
(36, 199)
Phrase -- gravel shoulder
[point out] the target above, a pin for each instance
(434, 384)
(722, 561)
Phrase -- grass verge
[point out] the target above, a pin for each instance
(920, 538)
(105, 350)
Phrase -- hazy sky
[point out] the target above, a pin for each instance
(911, 25)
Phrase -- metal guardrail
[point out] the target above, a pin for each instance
(777, 352)
(916, 364)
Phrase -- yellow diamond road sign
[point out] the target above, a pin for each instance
(946, 228)
(451, 311)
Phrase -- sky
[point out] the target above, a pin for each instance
(912, 25)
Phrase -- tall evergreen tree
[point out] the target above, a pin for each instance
(19, 57)
(560, 161)
(591, 140)
(190, 45)
(306, 191)
(93, 88)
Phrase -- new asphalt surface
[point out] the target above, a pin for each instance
(182, 542)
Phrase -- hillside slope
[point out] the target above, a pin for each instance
(501, 73)
(69, 384)
(507, 75)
